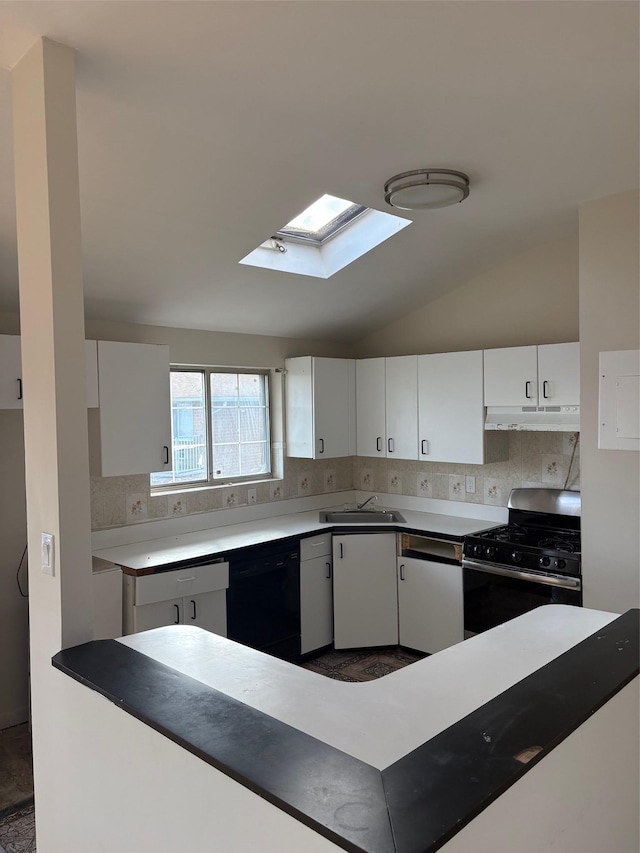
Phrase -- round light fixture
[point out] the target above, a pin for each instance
(424, 189)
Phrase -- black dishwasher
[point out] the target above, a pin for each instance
(263, 599)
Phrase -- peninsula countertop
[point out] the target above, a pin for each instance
(398, 765)
(155, 554)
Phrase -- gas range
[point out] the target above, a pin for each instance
(542, 536)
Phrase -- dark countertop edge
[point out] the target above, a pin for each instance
(339, 529)
(458, 773)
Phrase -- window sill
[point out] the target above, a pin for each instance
(205, 487)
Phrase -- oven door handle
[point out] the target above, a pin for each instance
(550, 580)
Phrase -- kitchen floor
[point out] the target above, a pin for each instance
(362, 664)
(17, 822)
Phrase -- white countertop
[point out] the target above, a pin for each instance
(380, 721)
(188, 546)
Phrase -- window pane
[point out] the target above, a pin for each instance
(188, 428)
(240, 424)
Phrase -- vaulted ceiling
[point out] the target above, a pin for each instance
(203, 127)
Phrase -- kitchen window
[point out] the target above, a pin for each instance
(219, 427)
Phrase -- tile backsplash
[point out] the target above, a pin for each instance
(533, 459)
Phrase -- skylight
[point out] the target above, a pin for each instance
(318, 243)
(322, 219)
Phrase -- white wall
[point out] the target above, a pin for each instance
(532, 298)
(609, 320)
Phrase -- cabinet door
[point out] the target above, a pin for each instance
(135, 408)
(316, 603)
(91, 352)
(559, 374)
(430, 611)
(10, 372)
(207, 610)
(371, 407)
(334, 407)
(511, 376)
(158, 614)
(401, 374)
(365, 592)
(450, 407)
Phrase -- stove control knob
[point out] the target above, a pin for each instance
(560, 564)
(516, 556)
(490, 551)
(544, 561)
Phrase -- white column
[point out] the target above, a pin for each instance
(53, 369)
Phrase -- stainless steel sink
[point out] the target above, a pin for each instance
(355, 516)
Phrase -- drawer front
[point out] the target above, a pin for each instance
(181, 582)
(315, 546)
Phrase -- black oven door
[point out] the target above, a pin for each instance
(493, 595)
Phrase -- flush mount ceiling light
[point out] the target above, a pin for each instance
(424, 189)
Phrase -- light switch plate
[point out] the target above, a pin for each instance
(47, 550)
(470, 485)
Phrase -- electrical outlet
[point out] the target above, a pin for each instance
(470, 485)
(48, 554)
(252, 496)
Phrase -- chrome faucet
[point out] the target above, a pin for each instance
(368, 500)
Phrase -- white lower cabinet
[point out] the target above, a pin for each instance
(430, 610)
(316, 593)
(192, 596)
(365, 591)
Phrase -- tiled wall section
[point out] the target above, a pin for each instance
(534, 459)
(116, 501)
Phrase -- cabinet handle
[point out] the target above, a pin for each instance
(379, 443)
(328, 575)
(390, 445)
(166, 455)
(184, 580)
(526, 390)
(177, 619)
(544, 390)
(193, 609)
(422, 444)
(321, 440)
(341, 551)
(402, 571)
(19, 381)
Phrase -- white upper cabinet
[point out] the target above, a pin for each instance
(450, 407)
(387, 406)
(559, 374)
(545, 375)
(401, 374)
(135, 408)
(11, 385)
(10, 372)
(371, 407)
(321, 408)
(511, 376)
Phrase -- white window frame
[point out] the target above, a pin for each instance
(213, 481)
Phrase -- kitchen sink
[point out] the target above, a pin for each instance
(364, 516)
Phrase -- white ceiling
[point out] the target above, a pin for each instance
(203, 127)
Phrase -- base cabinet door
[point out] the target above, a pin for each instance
(156, 615)
(207, 610)
(316, 603)
(365, 592)
(430, 612)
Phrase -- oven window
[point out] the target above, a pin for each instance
(490, 600)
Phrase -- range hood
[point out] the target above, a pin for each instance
(534, 418)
